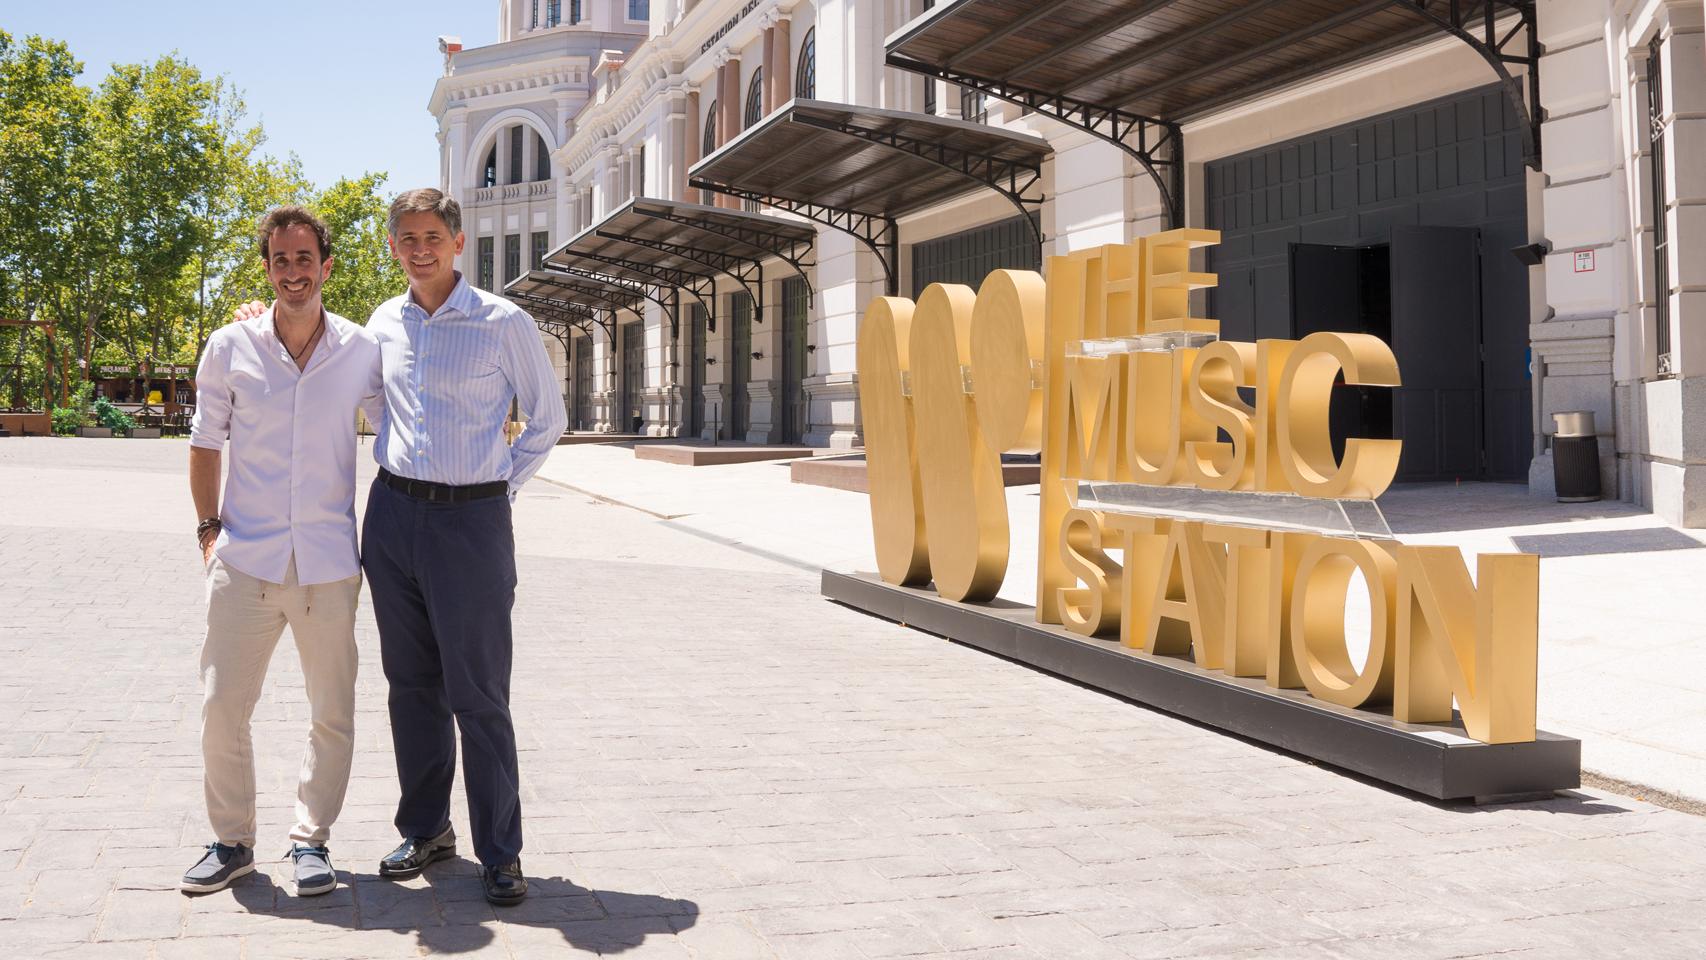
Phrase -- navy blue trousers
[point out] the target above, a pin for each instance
(443, 582)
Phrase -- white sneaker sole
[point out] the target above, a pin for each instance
(297, 889)
(242, 871)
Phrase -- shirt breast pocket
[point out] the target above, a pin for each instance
(481, 361)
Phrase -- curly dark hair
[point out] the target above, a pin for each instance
(291, 215)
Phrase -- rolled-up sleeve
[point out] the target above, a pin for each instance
(211, 426)
(528, 369)
(373, 401)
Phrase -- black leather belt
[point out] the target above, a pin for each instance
(442, 492)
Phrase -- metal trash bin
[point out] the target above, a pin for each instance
(1575, 457)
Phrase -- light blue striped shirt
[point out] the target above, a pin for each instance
(449, 378)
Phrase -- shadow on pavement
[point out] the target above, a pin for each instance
(449, 913)
(1444, 507)
(1639, 540)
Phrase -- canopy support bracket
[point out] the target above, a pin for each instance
(791, 251)
(1481, 33)
(880, 234)
(1157, 145)
(739, 269)
(1010, 178)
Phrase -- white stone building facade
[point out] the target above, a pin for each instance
(1417, 138)
(504, 109)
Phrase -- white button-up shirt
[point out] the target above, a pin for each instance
(290, 483)
(449, 378)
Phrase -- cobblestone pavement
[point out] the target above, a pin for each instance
(717, 763)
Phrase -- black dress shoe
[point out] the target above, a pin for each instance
(413, 855)
(504, 885)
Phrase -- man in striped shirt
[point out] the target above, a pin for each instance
(437, 542)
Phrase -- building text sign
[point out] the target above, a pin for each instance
(951, 382)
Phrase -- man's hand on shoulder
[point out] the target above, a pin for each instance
(248, 311)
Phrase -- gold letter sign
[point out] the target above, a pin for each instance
(949, 384)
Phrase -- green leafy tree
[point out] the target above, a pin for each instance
(157, 127)
(364, 274)
(45, 163)
(227, 270)
(127, 218)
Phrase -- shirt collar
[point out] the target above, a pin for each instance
(462, 299)
(264, 326)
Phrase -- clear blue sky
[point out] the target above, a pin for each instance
(359, 100)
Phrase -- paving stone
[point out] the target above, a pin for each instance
(718, 764)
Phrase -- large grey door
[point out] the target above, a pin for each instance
(1449, 163)
(740, 365)
(695, 371)
(633, 377)
(583, 383)
(967, 257)
(793, 360)
(1327, 294)
(1436, 334)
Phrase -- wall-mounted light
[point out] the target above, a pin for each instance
(1533, 254)
(758, 354)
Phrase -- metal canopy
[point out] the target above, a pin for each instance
(646, 271)
(576, 289)
(735, 241)
(564, 294)
(858, 169)
(1130, 71)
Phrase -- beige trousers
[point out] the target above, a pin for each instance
(245, 618)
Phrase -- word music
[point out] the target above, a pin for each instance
(1103, 370)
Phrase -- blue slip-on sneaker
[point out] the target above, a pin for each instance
(221, 864)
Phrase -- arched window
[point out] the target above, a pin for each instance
(754, 99)
(490, 177)
(542, 158)
(709, 147)
(805, 84)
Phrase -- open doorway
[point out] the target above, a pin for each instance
(1421, 293)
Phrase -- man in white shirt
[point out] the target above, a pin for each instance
(283, 388)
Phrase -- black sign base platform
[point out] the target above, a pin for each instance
(1435, 760)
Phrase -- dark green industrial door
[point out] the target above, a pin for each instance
(793, 360)
(695, 371)
(740, 366)
(967, 257)
(1378, 221)
(583, 383)
(1440, 411)
(633, 378)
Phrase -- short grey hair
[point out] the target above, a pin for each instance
(425, 200)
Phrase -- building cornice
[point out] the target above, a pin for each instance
(660, 65)
(540, 62)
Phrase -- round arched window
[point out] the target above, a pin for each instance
(805, 84)
(754, 99)
(709, 146)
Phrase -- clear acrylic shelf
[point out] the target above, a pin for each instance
(1147, 343)
(1289, 512)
